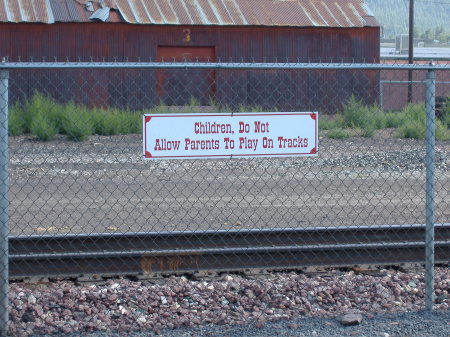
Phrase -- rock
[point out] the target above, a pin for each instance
(351, 319)
(440, 299)
(412, 284)
(78, 315)
(112, 298)
(260, 324)
(31, 299)
(115, 285)
(123, 311)
(28, 317)
(249, 293)
(67, 312)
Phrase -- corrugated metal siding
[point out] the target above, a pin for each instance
(111, 40)
(294, 13)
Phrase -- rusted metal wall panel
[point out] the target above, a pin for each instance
(116, 40)
(109, 40)
(294, 13)
(122, 42)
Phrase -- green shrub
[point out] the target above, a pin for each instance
(41, 104)
(16, 123)
(369, 132)
(159, 109)
(394, 119)
(442, 131)
(135, 125)
(446, 120)
(115, 122)
(326, 123)
(43, 127)
(413, 122)
(379, 117)
(411, 129)
(356, 114)
(338, 133)
(77, 123)
(106, 122)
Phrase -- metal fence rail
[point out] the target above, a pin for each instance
(77, 190)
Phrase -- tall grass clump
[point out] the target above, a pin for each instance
(356, 114)
(446, 118)
(42, 107)
(414, 124)
(77, 123)
(394, 119)
(43, 127)
(116, 122)
(338, 133)
(16, 122)
(367, 119)
(326, 123)
(414, 120)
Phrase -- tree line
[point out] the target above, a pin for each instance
(431, 19)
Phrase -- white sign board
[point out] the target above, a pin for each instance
(274, 134)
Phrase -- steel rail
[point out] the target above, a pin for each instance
(190, 252)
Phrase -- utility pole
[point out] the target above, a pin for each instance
(411, 49)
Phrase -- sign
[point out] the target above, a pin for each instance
(273, 134)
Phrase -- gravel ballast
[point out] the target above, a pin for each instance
(284, 304)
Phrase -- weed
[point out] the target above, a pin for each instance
(326, 123)
(42, 126)
(338, 133)
(413, 122)
(41, 104)
(357, 115)
(394, 119)
(442, 131)
(16, 123)
(77, 123)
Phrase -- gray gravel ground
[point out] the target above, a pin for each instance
(411, 324)
(103, 185)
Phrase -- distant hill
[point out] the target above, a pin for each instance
(432, 17)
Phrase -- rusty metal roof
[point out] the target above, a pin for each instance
(294, 13)
(26, 11)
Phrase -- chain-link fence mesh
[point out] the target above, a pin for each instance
(372, 176)
(76, 164)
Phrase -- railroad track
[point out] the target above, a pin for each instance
(155, 254)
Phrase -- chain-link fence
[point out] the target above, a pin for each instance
(76, 170)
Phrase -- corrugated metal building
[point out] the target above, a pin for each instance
(237, 30)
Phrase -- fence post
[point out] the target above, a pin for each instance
(4, 230)
(430, 188)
